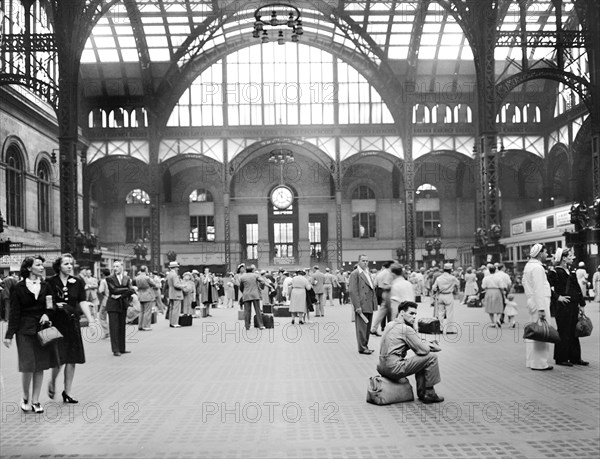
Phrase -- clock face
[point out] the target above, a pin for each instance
(282, 197)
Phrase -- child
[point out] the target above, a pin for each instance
(510, 310)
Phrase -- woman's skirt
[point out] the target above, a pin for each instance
(493, 301)
(298, 300)
(32, 356)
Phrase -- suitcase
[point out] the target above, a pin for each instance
(267, 308)
(417, 298)
(267, 319)
(429, 325)
(241, 314)
(281, 311)
(185, 320)
(384, 391)
(154, 317)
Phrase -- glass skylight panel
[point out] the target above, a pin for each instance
(149, 7)
(402, 28)
(451, 39)
(398, 52)
(377, 28)
(88, 56)
(159, 54)
(155, 41)
(400, 39)
(129, 55)
(452, 27)
(429, 39)
(354, 6)
(152, 20)
(179, 29)
(466, 52)
(155, 30)
(108, 55)
(105, 42)
(431, 28)
(126, 42)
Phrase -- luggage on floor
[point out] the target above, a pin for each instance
(267, 308)
(241, 314)
(384, 391)
(429, 325)
(418, 299)
(267, 320)
(185, 320)
(154, 317)
(281, 310)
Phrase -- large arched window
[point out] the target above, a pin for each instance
(269, 84)
(427, 208)
(202, 216)
(137, 216)
(43, 196)
(364, 210)
(14, 186)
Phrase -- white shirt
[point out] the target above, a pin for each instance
(33, 286)
(536, 285)
(402, 290)
(367, 275)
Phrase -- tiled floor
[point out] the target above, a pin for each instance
(215, 391)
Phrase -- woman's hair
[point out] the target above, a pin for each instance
(469, 270)
(28, 263)
(143, 269)
(491, 269)
(59, 260)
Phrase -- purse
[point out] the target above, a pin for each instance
(584, 326)
(48, 334)
(541, 331)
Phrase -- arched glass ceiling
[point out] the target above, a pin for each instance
(271, 84)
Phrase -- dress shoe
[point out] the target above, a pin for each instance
(125, 352)
(147, 329)
(25, 406)
(580, 362)
(431, 397)
(549, 367)
(37, 408)
(366, 351)
(117, 354)
(67, 399)
(375, 333)
(565, 364)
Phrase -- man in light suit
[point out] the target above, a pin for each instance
(250, 286)
(119, 294)
(175, 295)
(364, 301)
(318, 288)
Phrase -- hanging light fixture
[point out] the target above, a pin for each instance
(282, 18)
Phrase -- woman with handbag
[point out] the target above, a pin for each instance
(28, 311)
(567, 300)
(70, 300)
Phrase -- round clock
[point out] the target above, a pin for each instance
(282, 197)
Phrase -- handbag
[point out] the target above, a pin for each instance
(541, 331)
(584, 326)
(384, 391)
(48, 334)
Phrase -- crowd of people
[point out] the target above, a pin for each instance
(382, 300)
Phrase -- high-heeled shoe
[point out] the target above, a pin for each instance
(37, 408)
(51, 393)
(67, 399)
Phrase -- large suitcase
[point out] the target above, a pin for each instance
(185, 320)
(429, 325)
(267, 308)
(267, 320)
(281, 311)
(418, 299)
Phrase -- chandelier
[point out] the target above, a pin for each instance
(281, 15)
(280, 157)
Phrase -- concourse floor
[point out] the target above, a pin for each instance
(212, 390)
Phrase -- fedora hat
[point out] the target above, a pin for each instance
(173, 264)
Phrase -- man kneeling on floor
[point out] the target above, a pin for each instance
(400, 337)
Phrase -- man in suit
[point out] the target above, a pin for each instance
(175, 294)
(364, 301)
(250, 286)
(119, 294)
(318, 288)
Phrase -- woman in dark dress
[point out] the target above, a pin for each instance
(28, 310)
(566, 301)
(70, 300)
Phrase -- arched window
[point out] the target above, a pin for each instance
(137, 196)
(14, 186)
(137, 226)
(364, 220)
(43, 196)
(427, 208)
(363, 192)
(201, 195)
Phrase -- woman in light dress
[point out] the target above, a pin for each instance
(596, 285)
(470, 283)
(494, 286)
(297, 296)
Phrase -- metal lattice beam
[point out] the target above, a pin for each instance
(544, 39)
(142, 46)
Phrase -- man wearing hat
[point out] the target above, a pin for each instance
(537, 290)
(175, 296)
(443, 290)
